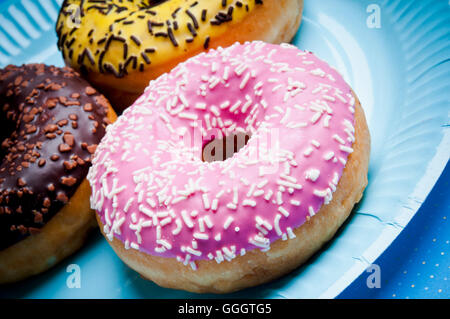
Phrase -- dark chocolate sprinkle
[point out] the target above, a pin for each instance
(193, 18)
(135, 40)
(172, 37)
(145, 57)
(206, 43)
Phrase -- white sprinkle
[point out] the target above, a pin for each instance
(158, 232)
(228, 253)
(316, 117)
(220, 193)
(215, 110)
(214, 82)
(189, 116)
(165, 221)
(286, 116)
(213, 67)
(295, 202)
(321, 193)
(340, 97)
(277, 224)
(178, 199)
(328, 156)
(315, 143)
(329, 98)
(312, 174)
(263, 222)
(294, 125)
(251, 190)
(235, 195)
(235, 106)
(201, 225)
(128, 204)
(205, 201)
(164, 243)
(283, 211)
(187, 220)
(277, 87)
(290, 233)
(208, 222)
(207, 118)
(164, 117)
(244, 81)
(298, 107)
(249, 202)
(201, 236)
(226, 72)
(338, 139)
(258, 85)
(346, 149)
(193, 251)
(264, 103)
(261, 229)
(279, 109)
(179, 225)
(311, 211)
(258, 193)
(288, 178)
(326, 121)
(260, 241)
(289, 184)
(228, 222)
(200, 106)
(308, 151)
(224, 105)
(194, 213)
(318, 72)
(215, 204)
(268, 195)
(262, 183)
(186, 260)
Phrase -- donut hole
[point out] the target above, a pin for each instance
(222, 148)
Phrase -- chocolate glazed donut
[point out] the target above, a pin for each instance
(52, 121)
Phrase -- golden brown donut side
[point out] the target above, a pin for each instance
(257, 267)
(64, 234)
(275, 22)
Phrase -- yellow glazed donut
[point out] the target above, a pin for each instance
(119, 46)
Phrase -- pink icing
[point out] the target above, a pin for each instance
(152, 190)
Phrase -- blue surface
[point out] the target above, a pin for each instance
(417, 264)
(400, 72)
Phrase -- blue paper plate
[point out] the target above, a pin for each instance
(396, 56)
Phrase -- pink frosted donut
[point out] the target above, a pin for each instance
(247, 219)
